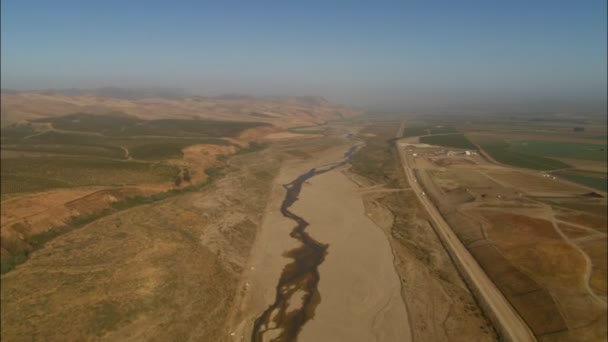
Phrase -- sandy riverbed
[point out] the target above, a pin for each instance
(360, 290)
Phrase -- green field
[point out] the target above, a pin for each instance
(600, 183)
(501, 152)
(415, 131)
(378, 159)
(449, 140)
(440, 129)
(560, 149)
(424, 128)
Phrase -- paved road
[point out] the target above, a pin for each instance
(509, 324)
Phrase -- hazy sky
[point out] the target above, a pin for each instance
(374, 53)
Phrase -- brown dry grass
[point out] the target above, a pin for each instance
(533, 246)
(530, 300)
(591, 221)
(597, 252)
(199, 158)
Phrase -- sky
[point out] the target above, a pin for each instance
(374, 54)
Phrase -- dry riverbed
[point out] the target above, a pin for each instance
(359, 289)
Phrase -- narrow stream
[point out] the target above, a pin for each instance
(301, 276)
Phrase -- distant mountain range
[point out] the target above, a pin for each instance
(116, 92)
(139, 93)
(155, 103)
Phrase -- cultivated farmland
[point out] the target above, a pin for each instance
(449, 140)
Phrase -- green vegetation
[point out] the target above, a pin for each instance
(378, 160)
(16, 131)
(449, 140)
(538, 154)
(307, 130)
(439, 129)
(500, 151)
(84, 144)
(11, 262)
(560, 149)
(13, 183)
(600, 183)
(79, 150)
(103, 150)
(415, 131)
(123, 125)
(37, 174)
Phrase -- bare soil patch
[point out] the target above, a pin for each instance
(29, 215)
(199, 158)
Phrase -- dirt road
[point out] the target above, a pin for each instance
(509, 324)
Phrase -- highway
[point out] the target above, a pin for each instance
(507, 321)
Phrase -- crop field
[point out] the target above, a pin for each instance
(600, 183)
(531, 123)
(440, 129)
(418, 128)
(449, 140)
(37, 174)
(500, 150)
(123, 125)
(415, 131)
(560, 149)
